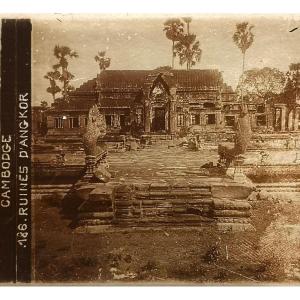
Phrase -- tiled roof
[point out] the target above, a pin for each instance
(82, 103)
(179, 78)
(88, 86)
(108, 102)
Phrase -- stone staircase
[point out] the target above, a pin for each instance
(160, 204)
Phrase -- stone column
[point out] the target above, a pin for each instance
(167, 118)
(269, 116)
(187, 117)
(253, 121)
(218, 119)
(147, 116)
(172, 111)
(296, 121)
(283, 117)
(291, 121)
(172, 116)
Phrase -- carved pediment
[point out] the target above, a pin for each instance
(159, 89)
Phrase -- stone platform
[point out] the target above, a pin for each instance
(212, 202)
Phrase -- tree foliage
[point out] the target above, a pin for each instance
(174, 29)
(243, 36)
(53, 89)
(163, 68)
(188, 50)
(292, 85)
(44, 105)
(63, 53)
(104, 62)
(261, 84)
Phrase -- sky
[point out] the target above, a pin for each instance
(139, 42)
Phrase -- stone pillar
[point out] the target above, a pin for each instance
(291, 121)
(253, 121)
(269, 116)
(147, 116)
(218, 119)
(296, 121)
(167, 118)
(172, 111)
(283, 117)
(187, 117)
(172, 117)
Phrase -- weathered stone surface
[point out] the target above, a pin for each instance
(103, 193)
(83, 191)
(231, 190)
(229, 204)
(169, 204)
(96, 128)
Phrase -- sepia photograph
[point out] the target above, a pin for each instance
(164, 150)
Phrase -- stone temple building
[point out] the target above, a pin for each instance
(158, 102)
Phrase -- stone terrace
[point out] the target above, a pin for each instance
(160, 163)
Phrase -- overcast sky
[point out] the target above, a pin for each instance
(140, 43)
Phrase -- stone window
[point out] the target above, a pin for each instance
(227, 107)
(229, 121)
(210, 119)
(58, 122)
(195, 119)
(108, 120)
(139, 115)
(74, 122)
(85, 121)
(180, 119)
(261, 120)
(260, 108)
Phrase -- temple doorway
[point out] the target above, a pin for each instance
(158, 122)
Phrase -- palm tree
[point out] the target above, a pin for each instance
(62, 53)
(104, 62)
(53, 89)
(174, 29)
(188, 50)
(243, 38)
(187, 21)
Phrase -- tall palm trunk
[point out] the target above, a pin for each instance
(242, 87)
(64, 70)
(243, 106)
(173, 54)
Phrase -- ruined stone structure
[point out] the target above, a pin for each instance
(161, 102)
(222, 204)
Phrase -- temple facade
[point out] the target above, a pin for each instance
(162, 102)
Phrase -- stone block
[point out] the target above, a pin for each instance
(102, 193)
(83, 191)
(225, 204)
(232, 190)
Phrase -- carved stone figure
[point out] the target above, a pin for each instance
(96, 127)
(242, 139)
(96, 166)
